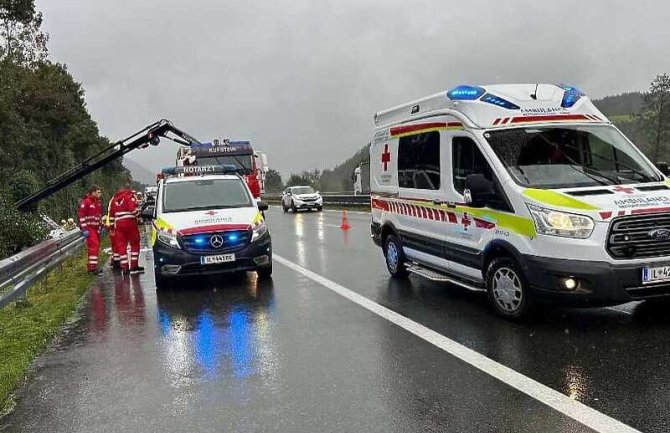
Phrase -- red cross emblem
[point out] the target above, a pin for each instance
(386, 157)
(465, 221)
(210, 213)
(624, 189)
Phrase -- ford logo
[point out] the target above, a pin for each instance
(216, 241)
(660, 234)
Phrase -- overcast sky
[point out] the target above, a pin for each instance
(303, 78)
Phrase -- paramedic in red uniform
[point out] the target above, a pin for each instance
(113, 239)
(125, 212)
(90, 213)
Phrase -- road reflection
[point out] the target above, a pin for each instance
(217, 330)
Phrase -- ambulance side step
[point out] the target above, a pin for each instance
(433, 275)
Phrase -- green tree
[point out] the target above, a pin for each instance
(655, 117)
(21, 39)
(273, 182)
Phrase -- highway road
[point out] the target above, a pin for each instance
(332, 344)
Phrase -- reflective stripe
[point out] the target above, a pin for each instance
(554, 198)
(125, 217)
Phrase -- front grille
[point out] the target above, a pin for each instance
(233, 240)
(308, 199)
(629, 237)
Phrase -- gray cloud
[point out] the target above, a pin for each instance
(302, 79)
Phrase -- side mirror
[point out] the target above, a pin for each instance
(478, 190)
(262, 206)
(663, 168)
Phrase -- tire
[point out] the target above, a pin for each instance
(265, 272)
(507, 289)
(319, 208)
(394, 257)
(162, 283)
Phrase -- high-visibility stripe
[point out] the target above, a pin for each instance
(554, 198)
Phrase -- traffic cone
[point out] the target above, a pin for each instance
(345, 222)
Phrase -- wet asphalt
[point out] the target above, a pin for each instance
(289, 355)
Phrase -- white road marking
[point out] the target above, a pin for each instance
(619, 310)
(552, 398)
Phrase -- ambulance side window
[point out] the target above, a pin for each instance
(467, 160)
(419, 161)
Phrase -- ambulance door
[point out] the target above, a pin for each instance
(421, 188)
(468, 228)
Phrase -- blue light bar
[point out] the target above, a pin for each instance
(200, 240)
(500, 102)
(465, 93)
(233, 237)
(571, 95)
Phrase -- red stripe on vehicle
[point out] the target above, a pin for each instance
(397, 130)
(454, 125)
(495, 122)
(380, 204)
(605, 215)
(621, 213)
(452, 217)
(213, 228)
(650, 210)
(483, 224)
(549, 118)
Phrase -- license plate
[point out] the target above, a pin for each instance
(655, 274)
(214, 260)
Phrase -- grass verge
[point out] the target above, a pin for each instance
(28, 326)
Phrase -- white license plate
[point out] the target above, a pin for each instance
(655, 274)
(214, 260)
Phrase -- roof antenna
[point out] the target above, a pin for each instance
(534, 94)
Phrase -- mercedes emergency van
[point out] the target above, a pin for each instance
(207, 222)
(526, 192)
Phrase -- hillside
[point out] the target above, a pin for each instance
(139, 173)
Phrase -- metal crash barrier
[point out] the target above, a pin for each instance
(21, 271)
(330, 199)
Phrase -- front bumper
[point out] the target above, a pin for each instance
(171, 262)
(598, 283)
(307, 204)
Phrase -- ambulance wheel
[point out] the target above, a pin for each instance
(162, 283)
(507, 289)
(395, 258)
(265, 272)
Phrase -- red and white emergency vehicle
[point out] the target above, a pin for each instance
(524, 191)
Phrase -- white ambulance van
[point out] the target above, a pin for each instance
(526, 192)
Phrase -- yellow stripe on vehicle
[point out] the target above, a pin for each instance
(519, 225)
(554, 198)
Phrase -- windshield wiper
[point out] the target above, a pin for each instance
(638, 172)
(593, 172)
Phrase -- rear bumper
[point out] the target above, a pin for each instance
(598, 283)
(173, 263)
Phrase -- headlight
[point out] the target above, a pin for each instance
(555, 223)
(260, 228)
(168, 238)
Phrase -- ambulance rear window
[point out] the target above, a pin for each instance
(419, 161)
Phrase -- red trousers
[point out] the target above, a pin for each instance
(116, 246)
(93, 245)
(127, 232)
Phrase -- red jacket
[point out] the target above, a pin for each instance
(90, 211)
(124, 207)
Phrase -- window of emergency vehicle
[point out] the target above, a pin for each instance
(205, 194)
(419, 161)
(467, 159)
(569, 156)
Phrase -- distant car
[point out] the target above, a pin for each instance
(301, 197)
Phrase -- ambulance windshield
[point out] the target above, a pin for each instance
(570, 156)
(203, 194)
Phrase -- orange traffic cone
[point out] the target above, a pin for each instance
(345, 222)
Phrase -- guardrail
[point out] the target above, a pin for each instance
(25, 268)
(331, 199)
